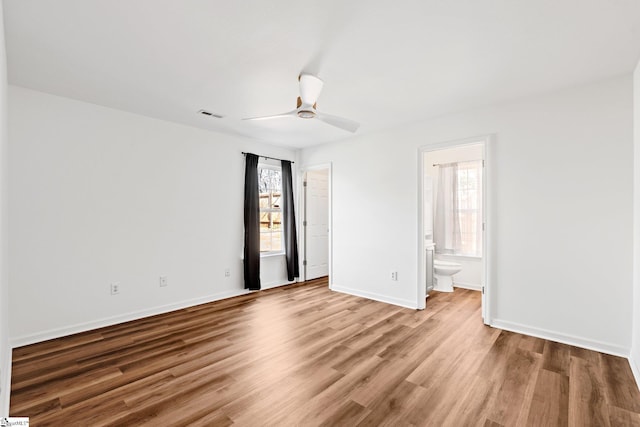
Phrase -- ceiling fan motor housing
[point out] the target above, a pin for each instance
(306, 114)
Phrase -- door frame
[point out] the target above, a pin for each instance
(487, 205)
(302, 213)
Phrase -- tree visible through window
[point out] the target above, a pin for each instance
(270, 187)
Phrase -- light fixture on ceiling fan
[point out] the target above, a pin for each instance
(310, 88)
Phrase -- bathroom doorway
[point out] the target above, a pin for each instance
(453, 219)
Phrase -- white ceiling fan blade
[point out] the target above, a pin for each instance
(293, 113)
(339, 122)
(310, 88)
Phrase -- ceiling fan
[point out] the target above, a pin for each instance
(310, 87)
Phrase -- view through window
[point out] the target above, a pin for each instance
(469, 180)
(270, 186)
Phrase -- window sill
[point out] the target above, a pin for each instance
(271, 254)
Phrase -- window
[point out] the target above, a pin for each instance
(469, 208)
(458, 219)
(270, 188)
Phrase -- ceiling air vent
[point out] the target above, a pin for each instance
(209, 114)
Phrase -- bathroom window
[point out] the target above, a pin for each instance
(470, 207)
(270, 186)
(458, 219)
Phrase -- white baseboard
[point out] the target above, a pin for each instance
(635, 369)
(272, 285)
(5, 394)
(114, 320)
(375, 297)
(464, 285)
(599, 346)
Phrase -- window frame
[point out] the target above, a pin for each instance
(264, 165)
(478, 211)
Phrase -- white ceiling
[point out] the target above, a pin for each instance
(384, 63)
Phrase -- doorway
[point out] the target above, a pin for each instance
(453, 218)
(316, 222)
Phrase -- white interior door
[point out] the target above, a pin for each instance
(317, 224)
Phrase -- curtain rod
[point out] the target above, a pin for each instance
(455, 163)
(267, 157)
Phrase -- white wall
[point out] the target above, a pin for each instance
(99, 195)
(562, 262)
(471, 274)
(635, 348)
(5, 349)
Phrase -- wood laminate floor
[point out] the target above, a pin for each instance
(304, 355)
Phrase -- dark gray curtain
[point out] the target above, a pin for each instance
(251, 224)
(289, 222)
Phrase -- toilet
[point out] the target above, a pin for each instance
(442, 272)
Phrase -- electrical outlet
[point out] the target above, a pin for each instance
(115, 288)
(394, 275)
(227, 272)
(164, 281)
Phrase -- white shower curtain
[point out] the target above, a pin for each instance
(446, 233)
